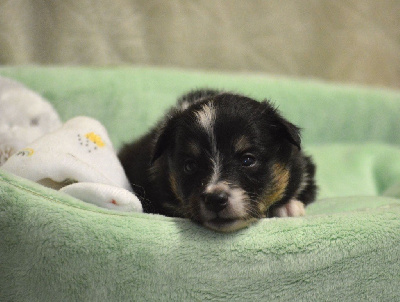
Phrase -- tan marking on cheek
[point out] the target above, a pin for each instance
(178, 210)
(242, 144)
(194, 149)
(277, 187)
(174, 187)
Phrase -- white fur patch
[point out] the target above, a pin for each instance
(216, 162)
(206, 118)
(237, 206)
(185, 105)
(293, 208)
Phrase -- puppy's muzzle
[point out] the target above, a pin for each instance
(216, 201)
(223, 208)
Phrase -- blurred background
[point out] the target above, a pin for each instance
(350, 41)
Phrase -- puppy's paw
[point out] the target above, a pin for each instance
(293, 208)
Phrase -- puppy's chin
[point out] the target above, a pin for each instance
(225, 225)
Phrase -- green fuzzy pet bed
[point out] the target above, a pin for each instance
(54, 247)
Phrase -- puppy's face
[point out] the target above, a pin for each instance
(227, 158)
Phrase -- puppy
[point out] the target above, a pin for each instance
(223, 160)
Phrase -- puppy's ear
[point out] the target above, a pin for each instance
(288, 131)
(164, 140)
(282, 127)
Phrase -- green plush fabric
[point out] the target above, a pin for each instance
(56, 248)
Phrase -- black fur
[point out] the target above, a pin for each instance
(220, 159)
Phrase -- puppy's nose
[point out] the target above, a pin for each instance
(216, 202)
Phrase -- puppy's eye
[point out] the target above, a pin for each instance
(248, 160)
(190, 166)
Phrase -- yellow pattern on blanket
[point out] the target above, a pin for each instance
(95, 139)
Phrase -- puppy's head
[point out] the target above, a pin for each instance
(228, 159)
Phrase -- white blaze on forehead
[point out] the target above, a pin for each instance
(216, 161)
(206, 118)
